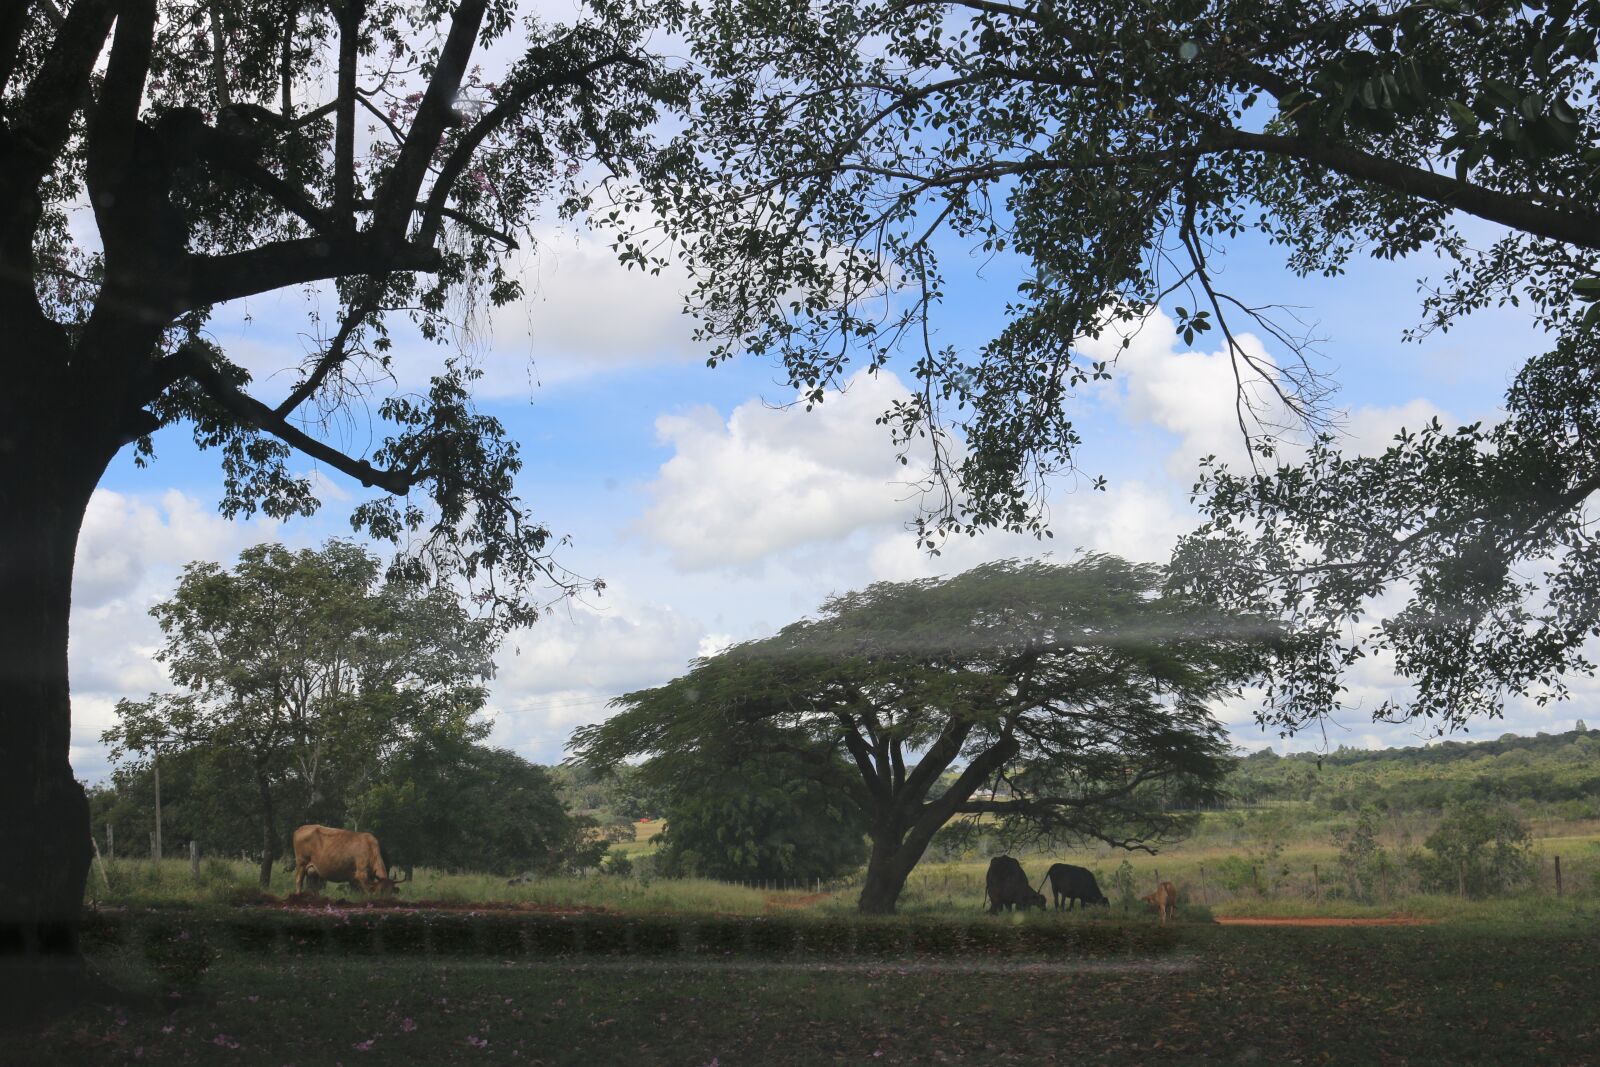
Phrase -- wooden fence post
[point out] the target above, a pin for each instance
(194, 860)
(100, 863)
(1316, 884)
(1558, 877)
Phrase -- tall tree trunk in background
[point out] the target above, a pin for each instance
(269, 828)
(49, 465)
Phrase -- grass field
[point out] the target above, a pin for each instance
(635, 973)
(1221, 870)
(1507, 992)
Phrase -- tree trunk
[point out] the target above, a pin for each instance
(47, 474)
(893, 858)
(269, 830)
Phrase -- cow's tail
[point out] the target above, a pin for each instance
(1042, 881)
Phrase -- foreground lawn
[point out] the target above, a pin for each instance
(1507, 993)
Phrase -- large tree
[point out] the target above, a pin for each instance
(304, 674)
(1078, 688)
(1117, 150)
(160, 159)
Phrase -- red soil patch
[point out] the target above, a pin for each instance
(312, 902)
(1327, 920)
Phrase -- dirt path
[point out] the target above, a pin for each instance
(1326, 920)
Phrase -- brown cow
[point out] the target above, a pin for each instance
(323, 854)
(1164, 900)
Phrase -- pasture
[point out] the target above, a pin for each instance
(465, 968)
(1488, 992)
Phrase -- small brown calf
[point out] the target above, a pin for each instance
(1164, 900)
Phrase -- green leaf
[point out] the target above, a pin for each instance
(1465, 119)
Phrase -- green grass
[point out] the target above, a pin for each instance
(1200, 868)
(138, 883)
(1482, 993)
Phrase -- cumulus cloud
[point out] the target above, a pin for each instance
(130, 551)
(1134, 520)
(1192, 395)
(768, 479)
(585, 313)
(563, 671)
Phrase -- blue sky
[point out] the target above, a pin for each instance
(716, 515)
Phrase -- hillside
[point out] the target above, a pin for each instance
(1560, 773)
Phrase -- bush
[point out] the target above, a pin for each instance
(1368, 871)
(1235, 874)
(1122, 884)
(618, 866)
(1478, 850)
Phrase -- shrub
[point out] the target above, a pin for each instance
(1478, 850)
(1367, 868)
(1122, 885)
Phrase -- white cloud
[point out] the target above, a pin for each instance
(770, 479)
(1370, 431)
(1129, 519)
(562, 672)
(585, 313)
(130, 552)
(125, 539)
(1193, 396)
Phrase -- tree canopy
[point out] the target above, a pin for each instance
(1118, 150)
(753, 818)
(1079, 688)
(163, 159)
(445, 802)
(302, 675)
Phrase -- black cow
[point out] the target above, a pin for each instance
(1074, 884)
(1007, 887)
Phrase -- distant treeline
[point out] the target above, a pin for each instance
(461, 806)
(1561, 771)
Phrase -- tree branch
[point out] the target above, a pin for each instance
(252, 412)
(399, 190)
(364, 304)
(1570, 223)
(57, 91)
(511, 103)
(861, 752)
(350, 13)
(215, 279)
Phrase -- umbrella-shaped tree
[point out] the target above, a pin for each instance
(1080, 688)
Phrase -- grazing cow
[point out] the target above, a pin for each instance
(1074, 885)
(1164, 900)
(323, 854)
(1007, 887)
